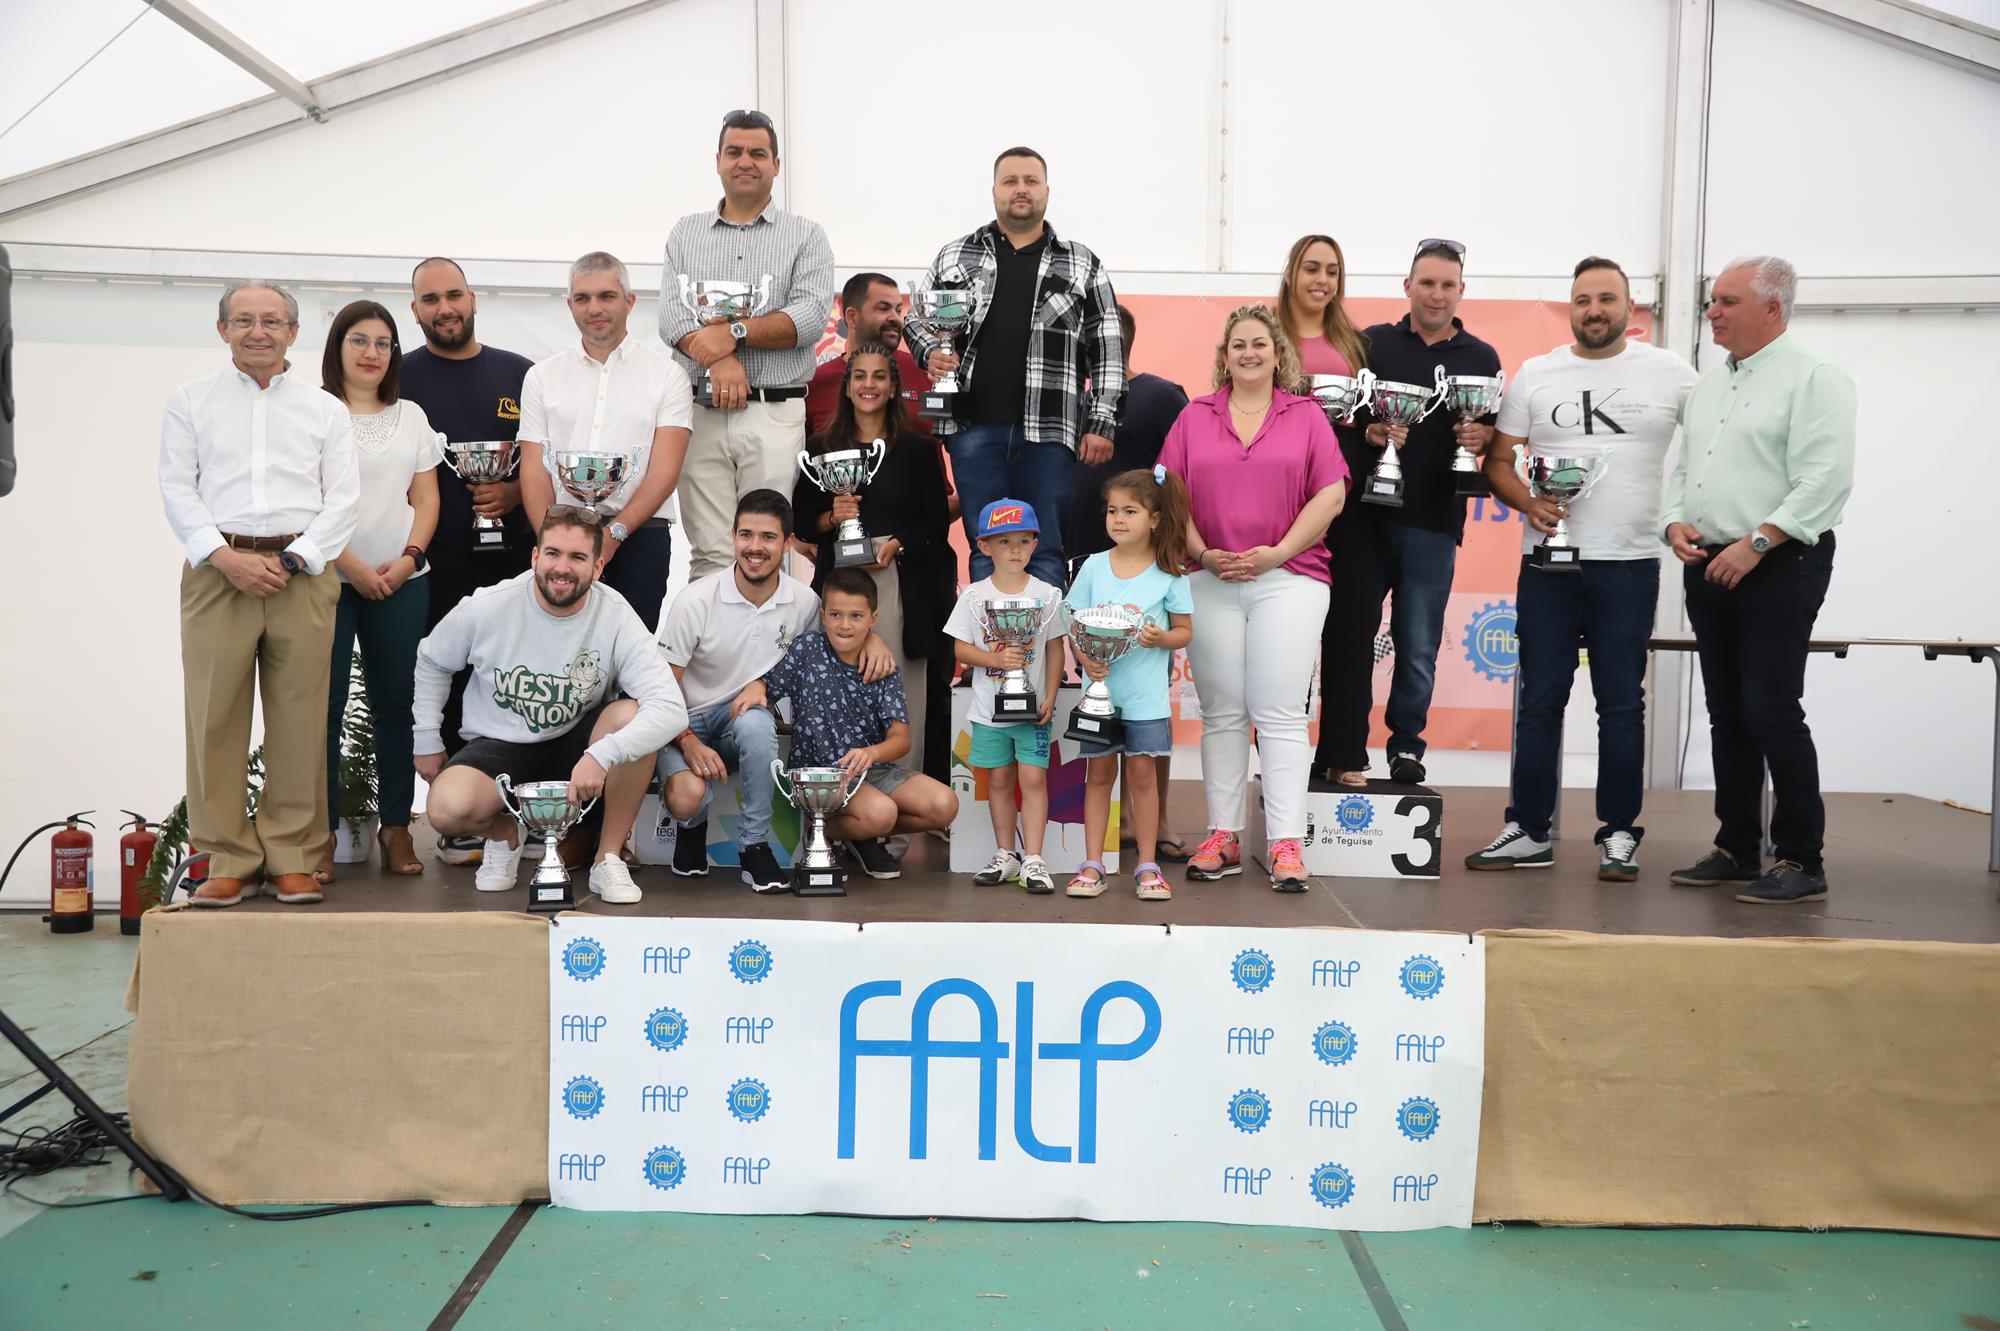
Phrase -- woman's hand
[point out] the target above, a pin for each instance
(396, 572)
(846, 508)
(1261, 559)
(886, 556)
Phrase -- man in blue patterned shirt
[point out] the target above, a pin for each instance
(841, 720)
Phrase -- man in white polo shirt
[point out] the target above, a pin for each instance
(1621, 399)
(726, 630)
(612, 394)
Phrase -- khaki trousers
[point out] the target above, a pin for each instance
(731, 454)
(282, 646)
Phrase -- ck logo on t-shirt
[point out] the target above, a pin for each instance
(508, 410)
(550, 702)
(1589, 413)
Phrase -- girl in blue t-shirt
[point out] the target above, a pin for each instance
(1146, 516)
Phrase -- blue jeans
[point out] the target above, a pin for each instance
(1608, 609)
(991, 462)
(1420, 569)
(389, 631)
(746, 746)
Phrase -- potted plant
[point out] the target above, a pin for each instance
(359, 782)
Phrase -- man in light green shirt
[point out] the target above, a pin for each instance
(1766, 465)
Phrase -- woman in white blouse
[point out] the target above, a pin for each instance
(383, 596)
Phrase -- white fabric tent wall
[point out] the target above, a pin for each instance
(1549, 142)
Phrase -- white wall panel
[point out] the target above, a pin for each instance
(896, 118)
(1845, 155)
(595, 142)
(1535, 134)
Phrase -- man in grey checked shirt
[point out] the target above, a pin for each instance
(749, 437)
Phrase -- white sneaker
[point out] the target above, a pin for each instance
(498, 863)
(1512, 849)
(1005, 866)
(611, 880)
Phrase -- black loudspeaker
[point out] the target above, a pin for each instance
(6, 373)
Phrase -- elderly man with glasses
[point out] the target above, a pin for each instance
(257, 474)
(750, 426)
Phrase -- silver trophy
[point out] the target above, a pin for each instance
(1340, 396)
(1015, 621)
(1565, 478)
(1102, 633)
(820, 793)
(545, 807)
(944, 312)
(708, 300)
(590, 477)
(483, 462)
(844, 473)
(1397, 404)
(1471, 396)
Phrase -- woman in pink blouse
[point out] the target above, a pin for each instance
(1264, 479)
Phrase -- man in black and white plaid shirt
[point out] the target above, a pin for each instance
(1046, 320)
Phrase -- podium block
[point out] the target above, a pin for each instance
(1381, 830)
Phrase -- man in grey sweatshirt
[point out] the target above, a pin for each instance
(549, 652)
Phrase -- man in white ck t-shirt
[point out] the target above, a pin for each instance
(1603, 394)
(724, 631)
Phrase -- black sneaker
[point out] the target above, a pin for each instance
(1786, 883)
(691, 849)
(875, 859)
(761, 871)
(1714, 869)
(1407, 769)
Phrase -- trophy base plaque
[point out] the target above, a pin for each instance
(489, 540)
(1384, 490)
(1095, 728)
(853, 554)
(1471, 484)
(548, 898)
(1563, 558)
(936, 406)
(830, 881)
(1011, 707)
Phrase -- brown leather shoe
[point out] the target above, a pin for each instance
(399, 852)
(578, 848)
(219, 892)
(296, 889)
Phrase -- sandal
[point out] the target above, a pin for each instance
(323, 871)
(1354, 779)
(1080, 886)
(1152, 885)
(399, 853)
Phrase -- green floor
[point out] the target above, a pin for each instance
(138, 1265)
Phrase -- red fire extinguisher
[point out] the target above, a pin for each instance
(135, 854)
(72, 874)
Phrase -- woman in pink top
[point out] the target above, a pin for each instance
(1264, 479)
(1312, 308)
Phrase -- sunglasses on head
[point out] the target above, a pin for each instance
(757, 118)
(589, 517)
(1430, 243)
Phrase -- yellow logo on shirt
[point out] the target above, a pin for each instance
(508, 410)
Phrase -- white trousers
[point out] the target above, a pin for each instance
(730, 454)
(1252, 654)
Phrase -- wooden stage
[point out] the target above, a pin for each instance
(1900, 867)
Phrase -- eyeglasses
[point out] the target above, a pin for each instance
(1440, 243)
(270, 323)
(362, 342)
(589, 517)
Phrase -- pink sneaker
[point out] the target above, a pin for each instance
(1218, 857)
(1288, 867)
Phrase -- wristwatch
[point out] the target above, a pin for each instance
(417, 557)
(291, 562)
(739, 332)
(1760, 542)
(619, 531)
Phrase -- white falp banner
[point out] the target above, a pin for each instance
(1327, 1078)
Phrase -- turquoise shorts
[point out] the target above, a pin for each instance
(1003, 746)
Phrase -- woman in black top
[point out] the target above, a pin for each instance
(907, 510)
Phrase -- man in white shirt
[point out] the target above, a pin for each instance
(611, 394)
(725, 631)
(258, 478)
(1618, 401)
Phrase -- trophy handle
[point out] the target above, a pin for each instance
(1521, 466)
(860, 778)
(1366, 395)
(588, 806)
(685, 295)
(1439, 391)
(778, 780)
(763, 294)
(877, 451)
(505, 786)
(811, 471)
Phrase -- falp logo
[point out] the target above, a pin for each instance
(583, 959)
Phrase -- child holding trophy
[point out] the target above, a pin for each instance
(1146, 516)
(1003, 625)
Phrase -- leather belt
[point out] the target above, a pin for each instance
(776, 394)
(262, 545)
